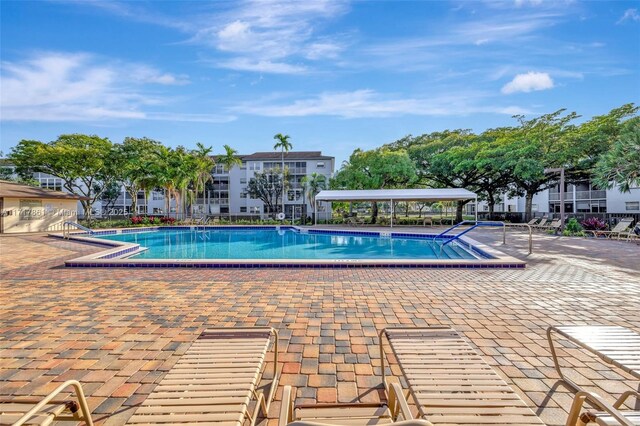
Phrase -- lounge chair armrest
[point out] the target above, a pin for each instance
(625, 396)
(584, 396)
(286, 409)
(398, 403)
(84, 408)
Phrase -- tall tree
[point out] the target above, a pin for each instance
(133, 158)
(621, 165)
(283, 145)
(312, 186)
(448, 159)
(204, 164)
(268, 187)
(534, 146)
(375, 169)
(84, 163)
(230, 159)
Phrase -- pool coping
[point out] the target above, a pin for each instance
(115, 255)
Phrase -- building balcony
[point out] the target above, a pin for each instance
(579, 195)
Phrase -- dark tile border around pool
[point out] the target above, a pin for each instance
(113, 258)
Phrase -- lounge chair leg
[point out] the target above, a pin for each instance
(384, 376)
(576, 408)
(556, 363)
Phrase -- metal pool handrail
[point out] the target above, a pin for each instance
(483, 223)
(66, 228)
(475, 225)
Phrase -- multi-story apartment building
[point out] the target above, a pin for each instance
(581, 199)
(226, 193)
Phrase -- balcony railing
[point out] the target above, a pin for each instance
(580, 195)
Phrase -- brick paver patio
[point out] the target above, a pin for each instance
(119, 331)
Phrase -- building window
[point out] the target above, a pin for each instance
(157, 210)
(243, 180)
(243, 194)
(320, 165)
(534, 207)
(632, 205)
(51, 183)
(254, 210)
(157, 196)
(583, 207)
(243, 209)
(243, 166)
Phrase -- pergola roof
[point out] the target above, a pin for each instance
(419, 194)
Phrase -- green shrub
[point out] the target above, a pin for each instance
(573, 226)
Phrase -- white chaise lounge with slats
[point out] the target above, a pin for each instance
(215, 381)
(449, 382)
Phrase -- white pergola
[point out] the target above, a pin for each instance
(393, 195)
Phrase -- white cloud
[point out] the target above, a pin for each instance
(55, 86)
(629, 15)
(271, 36)
(265, 66)
(528, 82)
(368, 103)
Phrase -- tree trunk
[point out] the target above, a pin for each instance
(374, 213)
(134, 203)
(491, 202)
(528, 207)
(87, 211)
(459, 206)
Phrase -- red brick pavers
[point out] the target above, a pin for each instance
(118, 331)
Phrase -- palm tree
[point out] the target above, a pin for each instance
(204, 166)
(312, 186)
(284, 145)
(229, 160)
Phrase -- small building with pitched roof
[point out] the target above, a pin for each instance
(25, 208)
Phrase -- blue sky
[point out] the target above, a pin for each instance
(334, 75)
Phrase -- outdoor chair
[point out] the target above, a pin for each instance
(631, 234)
(544, 222)
(553, 226)
(604, 413)
(615, 345)
(449, 382)
(395, 411)
(620, 228)
(46, 411)
(355, 221)
(428, 221)
(532, 222)
(215, 381)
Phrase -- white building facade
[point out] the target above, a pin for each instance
(227, 193)
(581, 200)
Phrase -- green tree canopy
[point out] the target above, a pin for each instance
(381, 168)
(84, 163)
(133, 159)
(267, 186)
(621, 165)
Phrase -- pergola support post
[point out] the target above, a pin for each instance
(391, 213)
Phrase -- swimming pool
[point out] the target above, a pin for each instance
(282, 246)
(289, 243)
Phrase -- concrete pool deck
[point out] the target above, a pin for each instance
(119, 330)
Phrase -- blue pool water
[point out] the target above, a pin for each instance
(282, 244)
